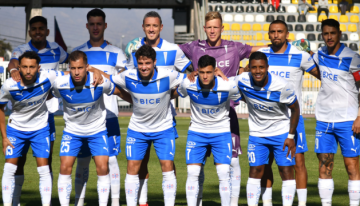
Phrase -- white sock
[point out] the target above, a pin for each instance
(8, 183)
(253, 190)
(103, 188)
(266, 193)
(45, 185)
(64, 189)
(192, 184)
(302, 196)
(19, 181)
(81, 178)
(169, 188)
(223, 172)
(235, 177)
(288, 192)
(115, 180)
(143, 191)
(201, 185)
(354, 192)
(326, 189)
(131, 189)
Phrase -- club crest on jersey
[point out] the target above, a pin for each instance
(190, 144)
(67, 137)
(130, 140)
(251, 147)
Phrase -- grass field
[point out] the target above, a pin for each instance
(30, 193)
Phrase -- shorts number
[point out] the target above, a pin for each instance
(9, 151)
(128, 150)
(188, 153)
(317, 143)
(65, 147)
(251, 156)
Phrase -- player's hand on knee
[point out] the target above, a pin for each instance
(15, 75)
(6, 142)
(219, 73)
(192, 76)
(356, 126)
(290, 143)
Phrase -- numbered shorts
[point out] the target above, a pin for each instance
(51, 121)
(71, 144)
(138, 142)
(198, 143)
(259, 149)
(300, 137)
(328, 135)
(39, 141)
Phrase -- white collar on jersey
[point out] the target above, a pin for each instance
(102, 46)
(87, 83)
(286, 51)
(266, 87)
(199, 87)
(154, 76)
(35, 49)
(158, 46)
(342, 46)
(22, 87)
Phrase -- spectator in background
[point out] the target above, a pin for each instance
(323, 6)
(344, 6)
(303, 6)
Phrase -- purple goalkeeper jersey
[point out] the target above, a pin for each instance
(228, 55)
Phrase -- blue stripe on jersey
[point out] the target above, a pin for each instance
(19, 95)
(101, 58)
(208, 98)
(334, 62)
(153, 87)
(51, 56)
(77, 96)
(283, 59)
(165, 58)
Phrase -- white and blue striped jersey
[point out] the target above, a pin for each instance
(210, 108)
(29, 110)
(109, 59)
(84, 109)
(151, 98)
(51, 56)
(268, 106)
(337, 100)
(291, 66)
(168, 56)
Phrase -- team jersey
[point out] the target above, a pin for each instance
(84, 109)
(51, 56)
(291, 66)
(268, 106)
(337, 100)
(168, 56)
(151, 98)
(29, 111)
(108, 59)
(210, 109)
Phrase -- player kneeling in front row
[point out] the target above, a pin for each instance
(27, 125)
(84, 115)
(268, 98)
(210, 127)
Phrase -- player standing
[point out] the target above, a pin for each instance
(27, 124)
(210, 103)
(110, 60)
(289, 63)
(51, 55)
(269, 98)
(335, 112)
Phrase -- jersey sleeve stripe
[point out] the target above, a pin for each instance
(186, 66)
(292, 102)
(177, 90)
(111, 79)
(238, 99)
(112, 92)
(312, 67)
(14, 58)
(67, 55)
(3, 102)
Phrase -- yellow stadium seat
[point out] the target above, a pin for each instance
(266, 27)
(333, 9)
(259, 36)
(295, 1)
(308, 1)
(352, 28)
(292, 36)
(354, 9)
(314, 11)
(317, 84)
(333, 17)
(354, 19)
(246, 37)
(342, 27)
(335, 1)
(344, 19)
(259, 44)
(266, 37)
(268, 43)
(246, 27)
(241, 64)
(250, 43)
(329, 1)
(306, 76)
(235, 27)
(256, 27)
(226, 26)
(307, 84)
(322, 18)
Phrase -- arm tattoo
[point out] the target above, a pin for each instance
(326, 161)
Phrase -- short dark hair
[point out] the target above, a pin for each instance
(76, 55)
(146, 51)
(96, 12)
(330, 22)
(258, 56)
(38, 19)
(30, 55)
(152, 14)
(279, 22)
(206, 60)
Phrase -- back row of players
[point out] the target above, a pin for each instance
(268, 96)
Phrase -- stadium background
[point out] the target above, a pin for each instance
(244, 21)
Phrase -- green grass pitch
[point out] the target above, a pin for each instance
(30, 193)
